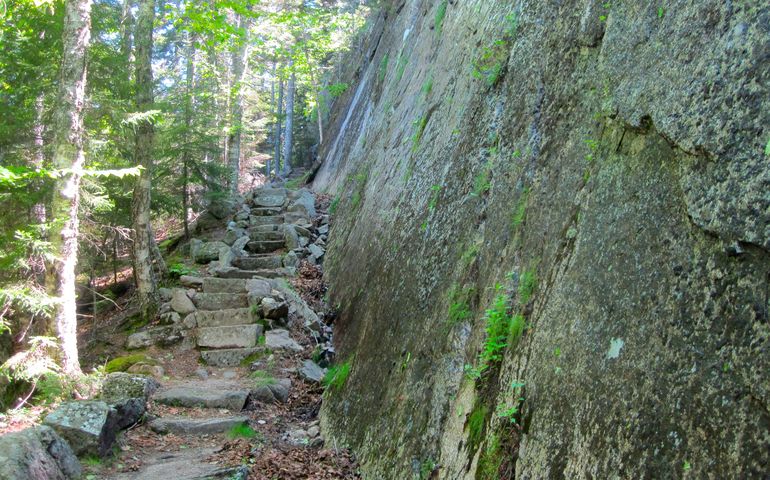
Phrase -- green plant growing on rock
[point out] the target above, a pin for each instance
(436, 191)
(401, 63)
(176, 270)
(438, 19)
(497, 321)
(527, 286)
(383, 69)
(336, 376)
(459, 307)
(427, 87)
(121, 364)
(475, 424)
(520, 212)
(490, 65)
(426, 468)
(419, 127)
(491, 459)
(334, 205)
(470, 254)
(481, 182)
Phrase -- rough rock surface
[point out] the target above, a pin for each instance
(203, 426)
(89, 427)
(37, 453)
(609, 157)
(203, 397)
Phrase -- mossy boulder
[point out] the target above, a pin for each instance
(121, 364)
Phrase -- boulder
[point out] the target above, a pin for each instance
(274, 309)
(233, 234)
(205, 398)
(37, 453)
(205, 252)
(165, 294)
(196, 426)
(125, 385)
(304, 202)
(170, 318)
(311, 371)
(316, 251)
(272, 393)
(279, 339)
(181, 303)
(206, 221)
(141, 368)
(239, 246)
(291, 237)
(226, 256)
(166, 335)
(290, 260)
(220, 208)
(269, 197)
(90, 427)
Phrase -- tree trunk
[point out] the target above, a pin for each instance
(188, 113)
(69, 159)
(317, 89)
(287, 140)
(126, 27)
(272, 114)
(236, 106)
(277, 139)
(144, 276)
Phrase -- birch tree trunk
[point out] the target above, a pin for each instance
(287, 138)
(236, 106)
(144, 276)
(278, 119)
(68, 158)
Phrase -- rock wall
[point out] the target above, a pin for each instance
(606, 163)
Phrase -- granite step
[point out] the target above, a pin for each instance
(259, 262)
(259, 220)
(232, 285)
(224, 318)
(196, 426)
(228, 357)
(261, 273)
(231, 336)
(193, 397)
(220, 301)
(268, 236)
(269, 246)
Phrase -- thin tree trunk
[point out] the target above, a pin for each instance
(69, 158)
(236, 106)
(144, 276)
(188, 113)
(160, 264)
(272, 114)
(277, 139)
(287, 140)
(317, 90)
(38, 131)
(126, 28)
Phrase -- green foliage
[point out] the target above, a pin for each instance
(176, 270)
(121, 364)
(476, 424)
(92, 461)
(297, 182)
(383, 69)
(419, 127)
(336, 376)
(490, 65)
(401, 63)
(481, 182)
(661, 12)
(459, 304)
(527, 286)
(470, 254)
(767, 148)
(426, 468)
(491, 459)
(520, 212)
(262, 379)
(242, 430)
(254, 357)
(334, 205)
(500, 329)
(427, 87)
(438, 20)
(436, 191)
(337, 89)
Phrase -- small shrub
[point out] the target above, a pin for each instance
(242, 431)
(459, 308)
(475, 424)
(426, 468)
(176, 270)
(337, 89)
(481, 183)
(491, 459)
(336, 376)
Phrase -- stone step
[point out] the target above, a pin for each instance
(231, 285)
(269, 197)
(224, 318)
(261, 273)
(271, 236)
(196, 426)
(277, 227)
(259, 220)
(193, 397)
(266, 211)
(258, 262)
(233, 336)
(227, 357)
(220, 301)
(265, 246)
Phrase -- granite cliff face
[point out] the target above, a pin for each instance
(605, 163)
